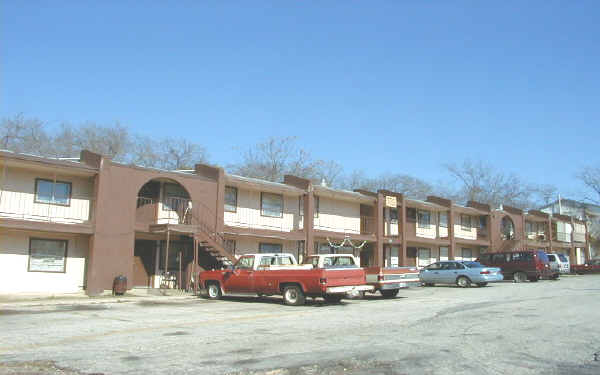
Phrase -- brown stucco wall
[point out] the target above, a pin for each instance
(112, 245)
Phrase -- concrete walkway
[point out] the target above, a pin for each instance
(134, 295)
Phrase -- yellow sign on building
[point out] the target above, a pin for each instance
(391, 201)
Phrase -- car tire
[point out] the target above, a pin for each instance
(293, 296)
(391, 293)
(428, 284)
(214, 290)
(463, 282)
(520, 277)
(481, 284)
(333, 298)
(555, 277)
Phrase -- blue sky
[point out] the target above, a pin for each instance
(382, 86)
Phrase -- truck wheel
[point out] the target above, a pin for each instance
(520, 277)
(463, 282)
(293, 296)
(214, 291)
(534, 279)
(333, 298)
(390, 293)
(428, 284)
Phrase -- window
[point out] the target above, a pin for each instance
(423, 219)
(434, 266)
(231, 198)
(482, 222)
(444, 219)
(393, 214)
(498, 258)
(53, 192)
(465, 222)
(301, 205)
(424, 257)
(467, 254)
(271, 205)
(230, 246)
(269, 248)
(245, 263)
(411, 214)
(47, 255)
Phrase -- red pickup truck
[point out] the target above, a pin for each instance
(279, 274)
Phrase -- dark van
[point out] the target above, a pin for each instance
(523, 265)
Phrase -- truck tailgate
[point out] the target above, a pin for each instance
(344, 276)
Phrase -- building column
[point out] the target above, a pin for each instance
(573, 251)
(452, 245)
(550, 233)
(378, 251)
(309, 222)
(402, 216)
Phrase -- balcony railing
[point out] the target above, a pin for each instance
(537, 236)
(169, 210)
(22, 206)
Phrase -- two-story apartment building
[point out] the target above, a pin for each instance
(72, 225)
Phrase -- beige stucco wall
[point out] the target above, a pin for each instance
(14, 258)
(460, 232)
(17, 198)
(250, 245)
(338, 216)
(248, 213)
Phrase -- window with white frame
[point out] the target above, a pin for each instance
(271, 205)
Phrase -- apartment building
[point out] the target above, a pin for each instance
(72, 225)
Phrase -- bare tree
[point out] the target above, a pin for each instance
(272, 159)
(479, 181)
(411, 187)
(26, 135)
(590, 177)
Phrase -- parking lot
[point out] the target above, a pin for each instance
(550, 327)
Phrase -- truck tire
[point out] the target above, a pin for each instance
(293, 296)
(213, 290)
(333, 298)
(390, 293)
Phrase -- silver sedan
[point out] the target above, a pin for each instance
(460, 273)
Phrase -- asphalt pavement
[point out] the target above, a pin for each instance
(548, 327)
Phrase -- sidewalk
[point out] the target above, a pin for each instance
(8, 301)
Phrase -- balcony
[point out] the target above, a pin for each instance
(23, 206)
(165, 211)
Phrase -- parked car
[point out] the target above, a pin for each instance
(279, 273)
(559, 262)
(592, 266)
(521, 266)
(459, 273)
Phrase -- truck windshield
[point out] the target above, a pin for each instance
(563, 258)
(245, 263)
